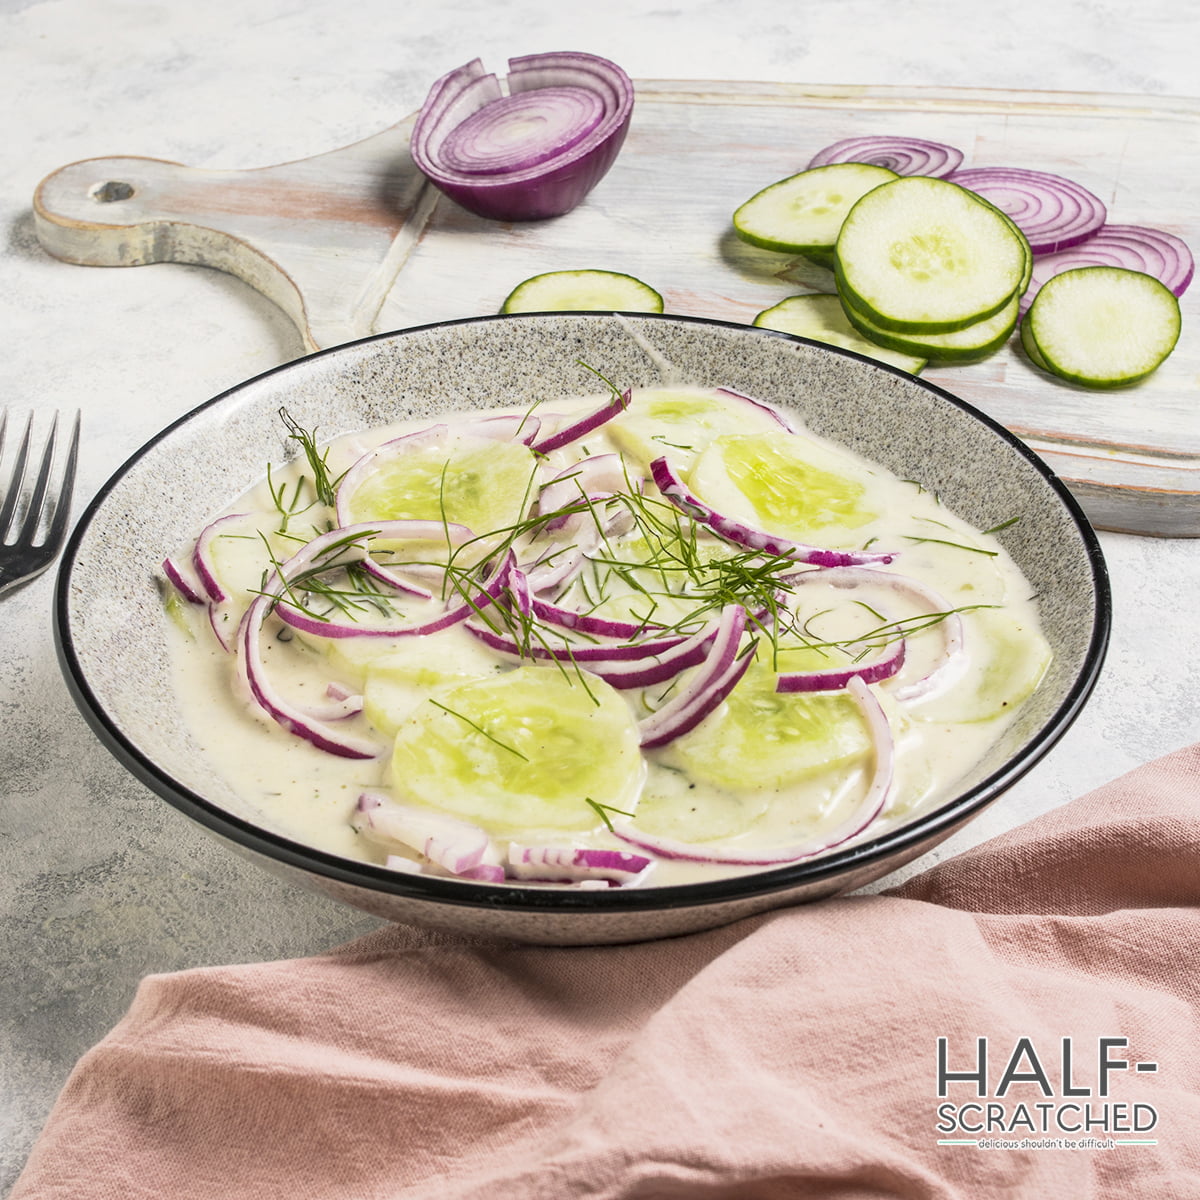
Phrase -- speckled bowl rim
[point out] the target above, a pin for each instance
(926, 829)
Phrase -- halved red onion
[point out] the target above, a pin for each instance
(759, 406)
(950, 659)
(182, 577)
(676, 491)
(457, 846)
(870, 805)
(584, 425)
(707, 688)
(1152, 251)
(534, 153)
(904, 155)
(1052, 212)
(884, 667)
(571, 864)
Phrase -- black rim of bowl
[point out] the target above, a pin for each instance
(515, 898)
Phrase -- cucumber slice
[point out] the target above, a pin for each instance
(793, 487)
(582, 291)
(1008, 659)
(473, 481)
(760, 738)
(803, 213)
(681, 423)
(926, 256)
(967, 345)
(403, 678)
(673, 806)
(521, 751)
(1031, 347)
(1103, 327)
(821, 318)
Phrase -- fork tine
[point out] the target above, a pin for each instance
(18, 478)
(62, 504)
(37, 498)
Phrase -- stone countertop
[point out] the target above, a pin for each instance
(100, 882)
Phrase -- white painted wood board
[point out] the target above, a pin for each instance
(355, 242)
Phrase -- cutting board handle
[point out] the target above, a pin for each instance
(323, 237)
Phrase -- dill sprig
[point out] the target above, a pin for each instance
(602, 811)
(324, 485)
(480, 729)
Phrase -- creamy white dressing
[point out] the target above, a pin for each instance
(309, 795)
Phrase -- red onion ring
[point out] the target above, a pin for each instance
(676, 491)
(584, 425)
(712, 682)
(904, 155)
(453, 844)
(1052, 212)
(533, 154)
(184, 580)
(837, 679)
(864, 813)
(571, 864)
(1151, 251)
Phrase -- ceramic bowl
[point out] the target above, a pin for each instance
(112, 631)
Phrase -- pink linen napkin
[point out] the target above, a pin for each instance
(1022, 1020)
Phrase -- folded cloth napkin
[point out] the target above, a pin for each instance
(1022, 1020)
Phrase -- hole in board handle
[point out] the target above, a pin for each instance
(111, 191)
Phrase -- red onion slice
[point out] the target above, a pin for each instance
(869, 807)
(1152, 251)
(533, 154)
(1052, 212)
(904, 155)
(493, 586)
(202, 559)
(676, 491)
(584, 425)
(712, 682)
(760, 406)
(184, 580)
(948, 662)
(838, 678)
(571, 864)
(455, 845)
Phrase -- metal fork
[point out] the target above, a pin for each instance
(34, 522)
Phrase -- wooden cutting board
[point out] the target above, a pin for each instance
(355, 242)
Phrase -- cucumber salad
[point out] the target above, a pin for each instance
(623, 639)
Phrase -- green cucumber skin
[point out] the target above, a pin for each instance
(799, 324)
(819, 252)
(1043, 348)
(845, 251)
(930, 348)
(624, 289)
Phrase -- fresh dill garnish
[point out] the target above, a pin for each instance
(955, 545)
(324, 484)
(479, 729)
(1003, 525)
(617, 394)
(602, 811)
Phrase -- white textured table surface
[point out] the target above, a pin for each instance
(101, 883)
